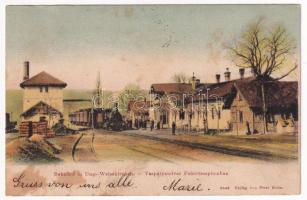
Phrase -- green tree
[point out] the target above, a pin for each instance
(131, 92)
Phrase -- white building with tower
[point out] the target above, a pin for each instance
(42, 97)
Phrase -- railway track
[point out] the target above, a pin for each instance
(110, 145)
(83, 148)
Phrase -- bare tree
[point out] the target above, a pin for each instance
(180, 78)
(265, 50)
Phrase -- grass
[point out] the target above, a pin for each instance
(24, 150)
(13, 103)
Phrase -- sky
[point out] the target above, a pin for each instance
(138, 44)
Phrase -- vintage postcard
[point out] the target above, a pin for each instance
(152, 100)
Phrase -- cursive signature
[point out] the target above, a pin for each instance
(176, 185)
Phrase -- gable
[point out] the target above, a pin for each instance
(239, 100)
(41, 108)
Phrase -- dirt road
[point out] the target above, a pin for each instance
(115, 147)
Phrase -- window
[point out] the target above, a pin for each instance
(212, 113)
(241, 116)
(40, 89)
(46, 89)
(219, 114)
(181, 114)
(164, 119)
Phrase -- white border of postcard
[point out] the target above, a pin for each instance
(3, 4)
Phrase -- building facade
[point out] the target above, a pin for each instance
(137, 112)
(42, 97)
(233, 106)
(168, 103)
(281, 99)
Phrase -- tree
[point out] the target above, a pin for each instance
(180, 78)
(265, 50)
(131, 92)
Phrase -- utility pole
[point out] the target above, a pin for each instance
(264, 123)
(98, 92)
(96, 103)
(206, 124)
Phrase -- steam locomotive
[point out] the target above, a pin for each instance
(98, 118)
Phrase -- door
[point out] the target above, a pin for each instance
(30, 129)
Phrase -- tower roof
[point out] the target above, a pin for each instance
(43, 79)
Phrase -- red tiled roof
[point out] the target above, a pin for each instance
(278, 94)
(43, 79)
(171, 88)
(224, 88)
(218, 90)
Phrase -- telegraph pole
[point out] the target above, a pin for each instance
(98, 92)
(96, 103)
(207, 97)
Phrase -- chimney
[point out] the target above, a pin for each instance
(227, 74)
(241, 71)
(193, 81)
(218, 78)
(26, 70)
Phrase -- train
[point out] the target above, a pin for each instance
(98, 118)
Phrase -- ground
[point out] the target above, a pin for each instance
(263, 146)
(124, 145)
(145, 146)
(112, 146)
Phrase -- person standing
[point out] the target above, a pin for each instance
(152, 124)
(248, 131)
(173, 128)
(135, 123)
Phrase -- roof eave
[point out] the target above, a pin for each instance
(22, 85)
